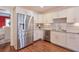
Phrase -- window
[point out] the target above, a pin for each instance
(4, 21)
(7, 22)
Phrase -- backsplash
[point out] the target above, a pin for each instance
(72, 28)
(67, 27)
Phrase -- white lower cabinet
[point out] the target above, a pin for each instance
(53, 37)
(68, 40)
(61, 39)
(38, 34)
(58, 38)
(73, 41)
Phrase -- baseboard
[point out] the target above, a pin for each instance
(61, 46)
(48, 42)
(4, 44)
(37, 40)
(12, 49)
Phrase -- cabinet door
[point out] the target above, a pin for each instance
(61, 39)
(39, 18)
(62, 13)
(71, 15)
(73, 41)
(77, 14)
(53, 37)
(58, 38)
(38, 34)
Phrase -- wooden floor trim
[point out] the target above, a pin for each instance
(1, 45)
(61, 46)
(12, 49)
(50, 43)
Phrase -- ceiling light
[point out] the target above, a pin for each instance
(76, 24)
(42, 6)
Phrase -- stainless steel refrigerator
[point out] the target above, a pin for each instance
(24, 30)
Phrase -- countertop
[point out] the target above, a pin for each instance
(65, 32)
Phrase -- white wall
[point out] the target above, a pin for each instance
(13, 28)
(5, 30)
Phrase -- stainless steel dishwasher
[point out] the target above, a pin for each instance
(47, 35)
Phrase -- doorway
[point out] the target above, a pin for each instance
(5, 23)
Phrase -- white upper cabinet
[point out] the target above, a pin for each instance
(62, 14)
(70, 13)
(39, 18)
(47, 18)
(55, 15)
(76, 14)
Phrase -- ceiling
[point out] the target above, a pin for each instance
(45, 9)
